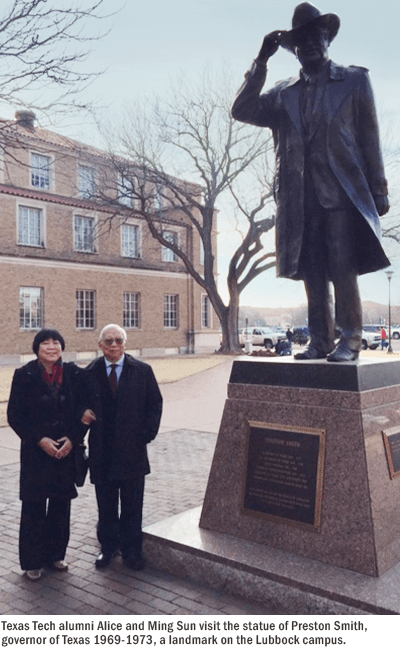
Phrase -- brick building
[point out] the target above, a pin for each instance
(61, 266)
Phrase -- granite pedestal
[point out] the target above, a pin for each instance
(282, 582)
(359, 528)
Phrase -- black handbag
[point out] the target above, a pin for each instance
(81, 460)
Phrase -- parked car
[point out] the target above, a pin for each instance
(373, 328)
(261, 336)
(371, 337)
(301, 335)
(395, 332)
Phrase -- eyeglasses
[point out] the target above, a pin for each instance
(117, 340)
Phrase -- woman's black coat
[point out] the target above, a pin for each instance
(33, 412)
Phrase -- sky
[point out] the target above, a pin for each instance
(150, 44)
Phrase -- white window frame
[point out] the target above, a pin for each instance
(86, 181)
(82, 320)
(126, 192)
(92, 249)
(39, 242)
(2, 165)
(159, 199)
(206, 311)
(43, 172)
(169, 256)
(124, 252)
(202, 253)
(131, 310)
(171, 311)
(27, 302)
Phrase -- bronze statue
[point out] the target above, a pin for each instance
(330, 186)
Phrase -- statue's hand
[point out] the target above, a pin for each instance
(382, 204)
(269, 46)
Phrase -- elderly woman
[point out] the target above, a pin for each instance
(41, 410)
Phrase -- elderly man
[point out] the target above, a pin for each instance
(330, 186)
(126, 406)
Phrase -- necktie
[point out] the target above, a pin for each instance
(113, 379)
(308, 105)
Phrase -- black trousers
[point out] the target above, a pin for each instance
(120, 507)
(44, 531)
(329, 254)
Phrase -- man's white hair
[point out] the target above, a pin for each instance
(108, 327)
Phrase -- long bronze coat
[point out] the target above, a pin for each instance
(352, 148)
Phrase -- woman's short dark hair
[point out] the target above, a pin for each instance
(47, 334)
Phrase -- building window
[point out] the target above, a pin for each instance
(125, 191)
(130, 241)
(41, 171)
(86, 182)
(84, 234)
(30, 226)
(85, 309)
(159, 199)
(168, 255)
(2, 165)
(171, 310)
(205, 311)
(30, 308)
(131, 316)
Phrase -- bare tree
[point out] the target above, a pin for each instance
(193, 137)
(391, 155)
(43, 46)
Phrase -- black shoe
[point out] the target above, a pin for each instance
(104, 559)
(310, 353)
(343, 353)
(135, 562)
(60, 565)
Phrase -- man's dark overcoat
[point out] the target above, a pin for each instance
(352, 149)
(34, 412)
(124, 425)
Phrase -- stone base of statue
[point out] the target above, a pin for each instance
(303, 498)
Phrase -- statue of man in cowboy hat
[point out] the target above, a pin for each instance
(330, 186)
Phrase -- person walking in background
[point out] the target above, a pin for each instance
(384, 343)
(42, 411)
(124, 416)
(289, 337)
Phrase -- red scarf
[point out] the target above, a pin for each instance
(56, 377)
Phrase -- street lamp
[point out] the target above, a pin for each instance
(390, 350)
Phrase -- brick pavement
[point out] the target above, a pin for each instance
(180, 461)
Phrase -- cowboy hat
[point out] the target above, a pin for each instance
(306, 17)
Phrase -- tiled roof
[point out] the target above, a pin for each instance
(13, 130)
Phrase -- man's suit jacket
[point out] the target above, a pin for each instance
(125, 424)
(352, 149)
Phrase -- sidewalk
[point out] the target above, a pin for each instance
(180, 459)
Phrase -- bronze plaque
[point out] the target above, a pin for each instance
(391, 438)
(284, 476)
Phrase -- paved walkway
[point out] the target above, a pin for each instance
(180, 458)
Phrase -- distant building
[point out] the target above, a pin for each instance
(61, 266)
